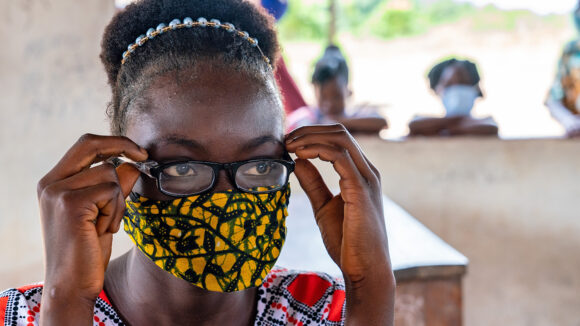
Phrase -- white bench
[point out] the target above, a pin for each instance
(428, 270)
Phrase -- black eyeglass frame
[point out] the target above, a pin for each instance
(153, 170)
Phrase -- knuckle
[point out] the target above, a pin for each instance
(49, 193)
(374, 183)
(375, 170)
(109, 171)
(65, 199)
(40, 186)
(114, 188)
(339, 127)
(87, 139)
(378, 175)
(343, 152)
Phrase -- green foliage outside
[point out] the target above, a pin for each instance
(304, 21)
(309, 21)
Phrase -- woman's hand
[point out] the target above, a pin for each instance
(81, 207)
(351, 223)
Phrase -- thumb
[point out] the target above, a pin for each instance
(127, 175)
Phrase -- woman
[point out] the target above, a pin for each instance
(197, 118)
(330, 81)
(564, 97)
(456, 82)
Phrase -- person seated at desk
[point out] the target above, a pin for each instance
(330, 80)
(563, 99)
(456, 82)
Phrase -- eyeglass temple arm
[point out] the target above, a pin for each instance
(144, 167)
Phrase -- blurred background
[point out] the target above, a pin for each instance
(510, 205)
(391, 45)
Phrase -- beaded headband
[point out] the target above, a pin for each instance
(189, 23)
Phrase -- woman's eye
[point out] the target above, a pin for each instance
(180, 170)
(261, 168)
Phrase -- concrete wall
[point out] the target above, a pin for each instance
(510, 206)
(52, 90)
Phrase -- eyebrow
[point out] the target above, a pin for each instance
(256, 142)
(175, 139)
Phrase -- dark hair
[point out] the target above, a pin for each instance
(331, 65)
(182, 48)
(436, 72)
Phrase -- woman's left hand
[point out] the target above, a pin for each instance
(351, 223)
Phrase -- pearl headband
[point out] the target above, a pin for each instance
(188, 23)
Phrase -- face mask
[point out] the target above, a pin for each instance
(459, 99)
(224, 241)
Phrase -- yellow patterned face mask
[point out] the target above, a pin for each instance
(223, 241)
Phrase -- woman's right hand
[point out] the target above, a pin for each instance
(81, 207)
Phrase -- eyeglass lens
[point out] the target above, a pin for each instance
(191, 178)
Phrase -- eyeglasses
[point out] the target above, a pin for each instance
(187, 178)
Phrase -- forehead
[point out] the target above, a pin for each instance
(335, 84)
(456, 74)
(217, 108)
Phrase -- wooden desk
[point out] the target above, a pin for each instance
(428, 270)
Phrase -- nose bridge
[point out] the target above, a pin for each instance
(224, 179)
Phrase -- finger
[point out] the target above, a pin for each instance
(115, 224)
(128, 176)
(107, 198)
(313, 129)
(90, 177)
(97, 204)
(311, 181)
(90, 149)
(340, 159)
(338, 138)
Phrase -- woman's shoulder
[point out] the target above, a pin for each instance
(21, 306)
(300, 298)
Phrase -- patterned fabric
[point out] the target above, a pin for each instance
(566, 86)
(285, 298)
(223, 241)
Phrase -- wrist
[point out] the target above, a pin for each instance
(370, 298)
(61, 306)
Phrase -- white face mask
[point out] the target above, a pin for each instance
(459, 99)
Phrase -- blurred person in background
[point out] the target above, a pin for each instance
(330, 81)
(563, 98)
(456, 83)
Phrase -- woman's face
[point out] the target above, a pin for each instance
(331, 96)
(453, 75)
(206, 114)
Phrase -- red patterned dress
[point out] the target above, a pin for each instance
(285, 298)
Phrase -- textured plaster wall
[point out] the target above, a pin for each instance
(512, 207)
(52, 89)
